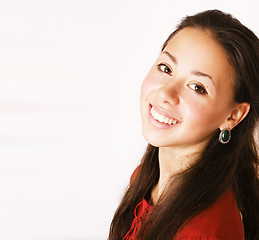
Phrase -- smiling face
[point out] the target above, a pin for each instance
(189, 90)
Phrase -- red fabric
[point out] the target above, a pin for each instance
(133, 175)
(221, 221)
(140, 213)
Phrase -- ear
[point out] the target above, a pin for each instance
(237, 115)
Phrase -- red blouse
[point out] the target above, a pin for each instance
(221, 221)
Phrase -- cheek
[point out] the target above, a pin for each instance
(148, 85)
(204, 113)
(144, 89)
(193, 109)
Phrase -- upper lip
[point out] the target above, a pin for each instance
(164, 113)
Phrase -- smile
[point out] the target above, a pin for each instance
(162, 118)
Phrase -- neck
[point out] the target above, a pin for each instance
(173, 161)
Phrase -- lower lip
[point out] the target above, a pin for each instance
(156, 123)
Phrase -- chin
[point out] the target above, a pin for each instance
(156, 141)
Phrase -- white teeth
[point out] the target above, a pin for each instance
(166, 120)
(162, 118)
(156, 116)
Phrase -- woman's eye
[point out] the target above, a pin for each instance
(198, 88)
(162, 67)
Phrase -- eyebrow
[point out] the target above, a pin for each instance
(171, 57)
(201, 74)
(194, 72)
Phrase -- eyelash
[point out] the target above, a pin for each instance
(162, 64)
(197, 88)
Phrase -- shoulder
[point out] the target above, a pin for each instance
(219, 221)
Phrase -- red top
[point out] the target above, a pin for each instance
(221, 221)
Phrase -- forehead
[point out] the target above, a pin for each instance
(197, 49)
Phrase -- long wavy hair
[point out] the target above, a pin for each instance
(221, 166)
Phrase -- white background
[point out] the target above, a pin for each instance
(70, 127)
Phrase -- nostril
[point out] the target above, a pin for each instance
(168, 96)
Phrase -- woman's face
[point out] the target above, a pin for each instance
(189, 90)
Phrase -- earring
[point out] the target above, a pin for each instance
(225, 136)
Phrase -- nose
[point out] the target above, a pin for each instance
(168, 94)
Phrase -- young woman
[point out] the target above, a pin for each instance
(198, 178)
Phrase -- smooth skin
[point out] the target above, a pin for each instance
(192, 80)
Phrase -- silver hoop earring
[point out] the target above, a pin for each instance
(225, 136)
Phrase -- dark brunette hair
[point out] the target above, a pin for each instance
(221, 166)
